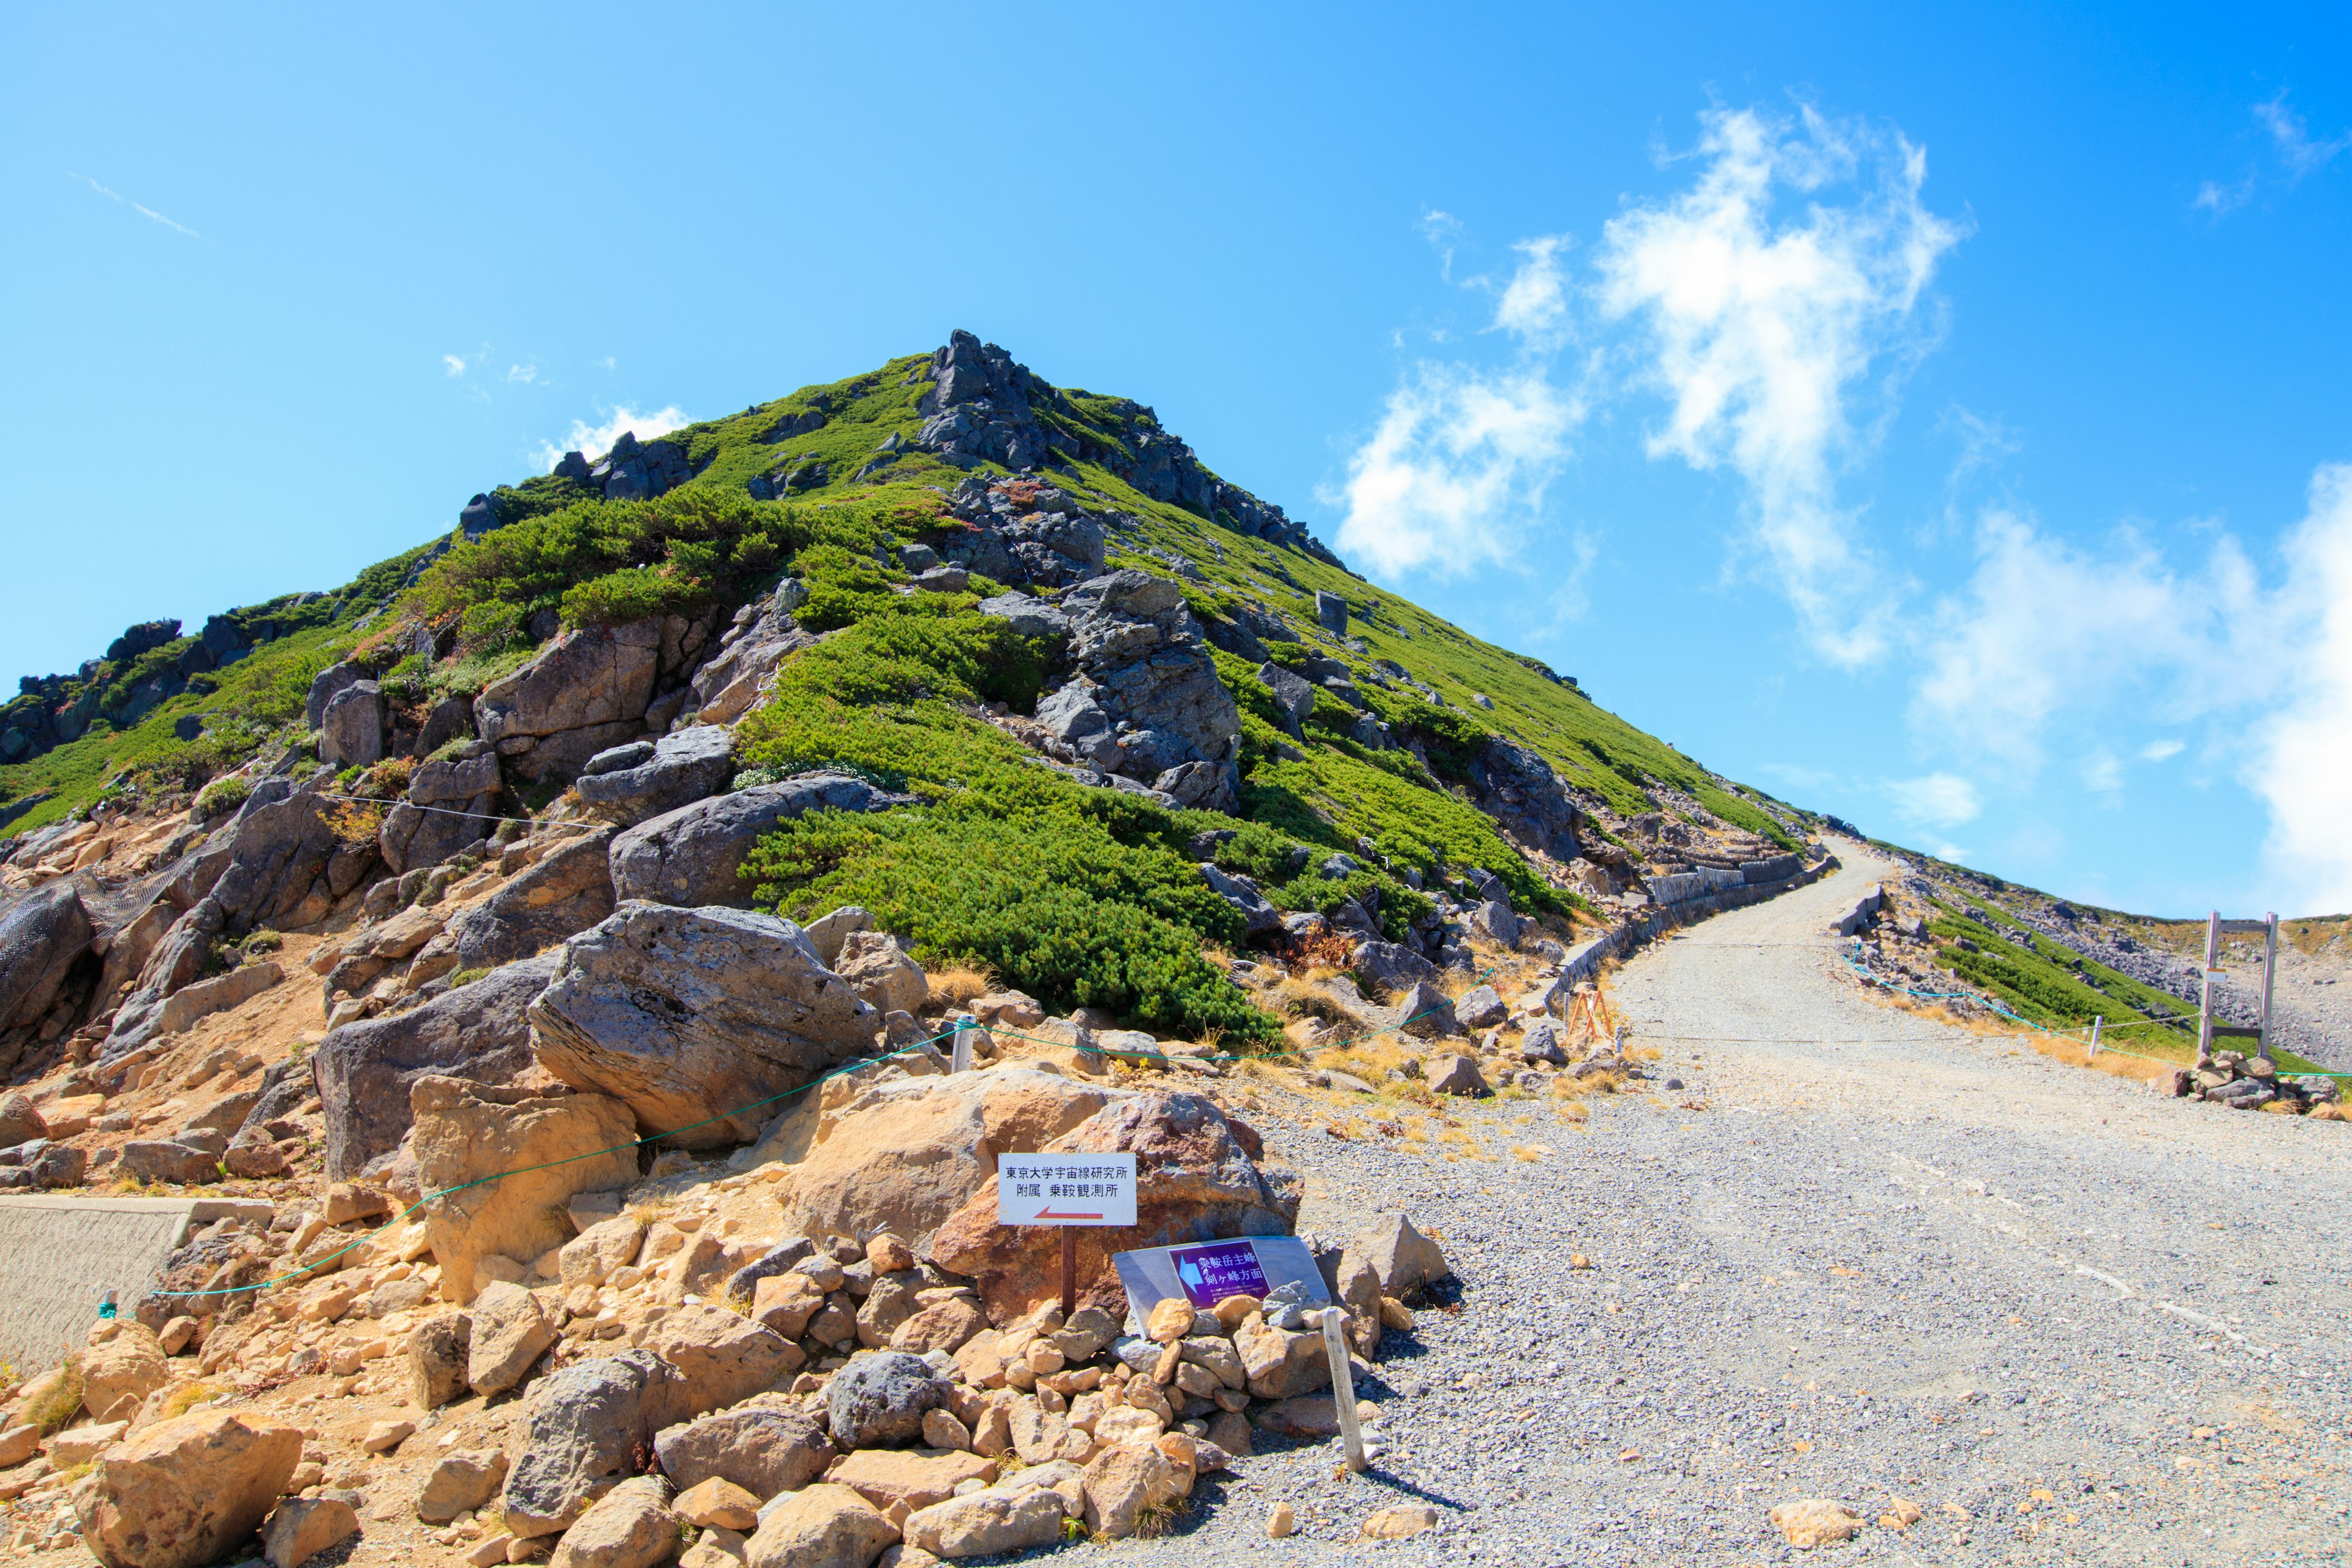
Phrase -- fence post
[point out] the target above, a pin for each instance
(1343, 1387)
(2205, 989)
(2270, 971)
(2097, 1019)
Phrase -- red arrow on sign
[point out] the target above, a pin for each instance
(1049, 1214)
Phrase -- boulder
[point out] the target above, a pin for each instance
(351, 730)
(768, 1444)
(118, 1375)
(906, 1153)
(717, 1504)
(1387, 968)
(366, 1071)
(304, 1527)
(687, 1014)
(41, 934)
(437, 1358)
(587, 1425)
(460, 1483)
(1331, 612)
(985, 1522)
(20, 1121)
(1279, 1363)
(908, 1477)
(828, 931)
(1399, 1255)
(879, 1400)
(629, 1526)
(690, 856)
(562, 894)
(941, 1326)
(1259, 917)
(1124, 1481)
(327, 685)
(1455, 1074)
(447, 810)
(553, 1145)
(1540, 1043)
(164, 1160)
(1428, 1013)
(879, 970)
(510, 1331)
(680, 769)
(183, 1492)
(1198, 1180)
(587, 683)
(1294, 694)
(590, 1258)
(823, 1526)
(1479, 1008)
(721, 1358)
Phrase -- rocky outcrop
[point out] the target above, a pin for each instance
(762, 637)
(686, 1014)
(563, 893)
(351, 727)
(1519, 789)
(585, 693)
(366, 1070)
(632, 782)
(690, 856)
(1146, 701)
(543, 1148)
(1020, 530)
(447, 808)
(1198, 1180)
(1260, 918)
(41, 936)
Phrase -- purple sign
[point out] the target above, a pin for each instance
(1210, 1274)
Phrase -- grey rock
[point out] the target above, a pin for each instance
(941, 580)
(1336, 866)
(878, 1400)
(568, 889)
(163, 1160)
(1293, 692)
(680, 769)
(1030, 618)
(1390, 967)
(779, 1259)
(587, 1423)
(686, 1014)
(690, 856)
(1456, 1076)
(1262, 919)
(1541, 1043)
(1480, 1008)
(618, 758)
(588, 680)
(41, 935)
(1494, 919)
(828, 931)
(351, 730)
(768, 1445)
(460, 792)
(1331, 612)
(325, 685)
(1427, 1014)
(1519, 790)
(366, 1070)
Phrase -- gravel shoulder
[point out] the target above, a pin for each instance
(1859, 1257)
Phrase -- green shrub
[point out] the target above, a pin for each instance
(223, 796)
(630, 594)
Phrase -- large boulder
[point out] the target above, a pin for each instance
(118, 1374)
(1198, 1179)
(687, 1014)
(676, 770)
(507, 1331)
(989, 1522)
(41, 934)
(586, 1428)
(1514, 784)
(585, 679)
(183, 1492)
(567, 890)
(447, 808)
(823, 1526)
(629, 1526)
(367, 1070)
(1387, 966)
(903, 1154)
(769, 1443)
(1260, 918)
(722, 1356)
(20, 1120)
(691, 855)
(351, 730)
(878, 1401)
(543, 1148)
(878, 969)
(326, 686)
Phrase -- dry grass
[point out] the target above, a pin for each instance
(188, 1396)
(958, 987)
(55, 1405)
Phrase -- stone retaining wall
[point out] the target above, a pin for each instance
(58, 1254)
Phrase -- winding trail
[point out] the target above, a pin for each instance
(1859, 1257)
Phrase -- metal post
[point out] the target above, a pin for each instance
(2096, 1020)
(959, 1049)
(1069, 1271)
(2269, 971)
(2205, 989)
(1343, 1387)
(1617, 1043)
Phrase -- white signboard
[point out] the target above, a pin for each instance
(1065, 1189)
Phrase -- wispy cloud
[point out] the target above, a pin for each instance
(2304, 764)
(1534, 303)
(597, 439)
(1758, 323)
(2162, 751)
(525, 373)
(1934, 800)
(456, 366)
(2290, 133)
(144, 211)
(2217, 198)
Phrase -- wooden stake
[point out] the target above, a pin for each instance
(1343, 1387)
(2097, 1019)
(2205, 990)
(1069, 1271)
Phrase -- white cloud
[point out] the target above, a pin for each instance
(526, 374)
(2102, 772)
(597, 439)
(2303, 766)
(2291, 134)
(456, 366)
(1534, 304)
(2218, 199)
(2162, 751)
(1758, 325)
(1937, 800)
(1452, 477)
(1442, 230)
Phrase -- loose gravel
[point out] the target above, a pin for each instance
(1859, 1256)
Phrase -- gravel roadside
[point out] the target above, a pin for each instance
(1859, 1257)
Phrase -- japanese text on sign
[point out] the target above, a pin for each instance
(1065, 1189)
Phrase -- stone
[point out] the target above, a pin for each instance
(982, 1524)
(510, 1332)
(163, 1160)
(879, 1400)
(785, 1303)
(1454, 1075)
(1294, 694)
(1480, 1008)
(561, 894)
(681, 768)
(18, 1444)
(384, 1437)
(716, 1549)
(1230, 1431)
(327, 685)
(821, 1526)
(880, 971)
(1387, 968)
(367, 1071)
(301, 1528)
(1198, 1179)
(548, 1147)
(909, 1479)
(686, 1014)
(459, 1483)
(184, 1491)
(1400, 1257)
(591, 1257)
(42, 933)
(1306, 1418)
(631, 1526)
(767, 1445)
(718, 1504)
(828, 931)
(690, 856)
(1170, 1321)
(942, 1430)
(1815, 1521)
(80, 1445)
(437, 1358)
(1330, 612)
(118, 1375)
(1122, 1484)
(446, 812)
(1281, 1365)
(941, 1326)
(20, 1121)
(1281, 1520)
(586, 1428)
(1540, 1042)
(1259, 918)
(583, 680)
(721, 1358)
(1428, 1013)
(351, 730)
(1398, 1524)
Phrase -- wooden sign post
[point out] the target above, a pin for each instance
(1067, 1192)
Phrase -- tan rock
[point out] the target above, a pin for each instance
(982, 1524)
(821, 1526)
(1281, 1365)
(629, 1526)
(436, 1359)
(888, 1254)
(716, 1549)
(941, 1326)
(1901, 1514)
(878, 969)
(489, 1551)
(1123, 1483)
(1230, 1311)
(914, 1477)
(1815, 1521)
(465, 1132)
(590, 1256)
(717, 1503)
(992, 1433)
(1399, 1523)
(347, 1202)
(1230, 1430)
(386, 1435)
(1170, 1321)
(784, 1303)
(18, 1444)
(510, 1332)
(1126, 1424)
(304, 1527)
(723, 1358)
(183, 1492)
(80, 1445)
(176, 1334)
(1281, 1521)
(122, 1372)
(461, 1483)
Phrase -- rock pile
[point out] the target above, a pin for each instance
(2242, 1082)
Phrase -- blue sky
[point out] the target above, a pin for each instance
(1934, 418)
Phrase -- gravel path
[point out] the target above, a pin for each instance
(2070, 1321)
